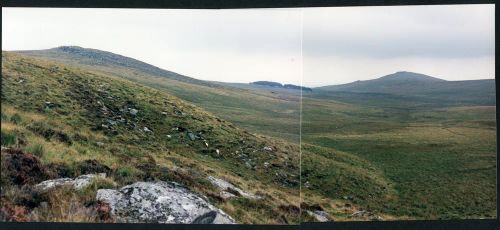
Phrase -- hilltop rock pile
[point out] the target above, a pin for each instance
(160, 202)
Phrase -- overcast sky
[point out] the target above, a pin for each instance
(222, 45)
(344, 44)
(339, 45)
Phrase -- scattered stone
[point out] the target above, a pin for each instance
(169, 136)
(347, 197)
(226, 195)
(133, 111)
(147, 130)
(266, 164)
(369, 215)
(160, 202)
(307, 184)
(104, 109)
(192, 136)
(230, 188)
(164, 113)
(180, 129)
(320, 216)
(267, 148)
(77, 183)
(179, 113)
(100, 144)
(359, 213)
(217, 151)
(206, 143)
(376, 218)
(111, 122)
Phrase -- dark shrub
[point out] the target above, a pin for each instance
(44, 129)
(61, 170)
(29, 198)
(16, 119)
(23, 168)
(92, 167)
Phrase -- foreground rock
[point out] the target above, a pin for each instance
(229, 190)
(160, 202)
(320, 216)
(369, 215)
(77, 183)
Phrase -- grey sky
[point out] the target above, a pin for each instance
(224, 45)
(344, 44)
(340, 44)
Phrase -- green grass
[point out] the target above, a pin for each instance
(423, 162)
(399, 156)
(36, 149)
(8, 139)
(70, 115)
(273, 114)
(16, 119)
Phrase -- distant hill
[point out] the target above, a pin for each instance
(279, 85)
(268, 83)
(290, 86)
(415, 85)
(106, 61)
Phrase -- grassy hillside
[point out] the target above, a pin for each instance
(405, 146)
(106, 61)
(399, 162)
(274, 113)
(67, 116)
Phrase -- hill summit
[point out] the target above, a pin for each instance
(409, 77)
(108, 62)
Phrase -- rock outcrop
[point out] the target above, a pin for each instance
(160, 202)
(77, 183)
(320, 216)
(229, 190)
(366, 214)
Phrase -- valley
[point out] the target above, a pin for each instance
(400, 149)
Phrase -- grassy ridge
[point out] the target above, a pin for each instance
(68, 115)
(274, 114)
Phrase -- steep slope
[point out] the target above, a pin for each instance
(271, 113)
(69, 116)
(106, 61)
(417, 87)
